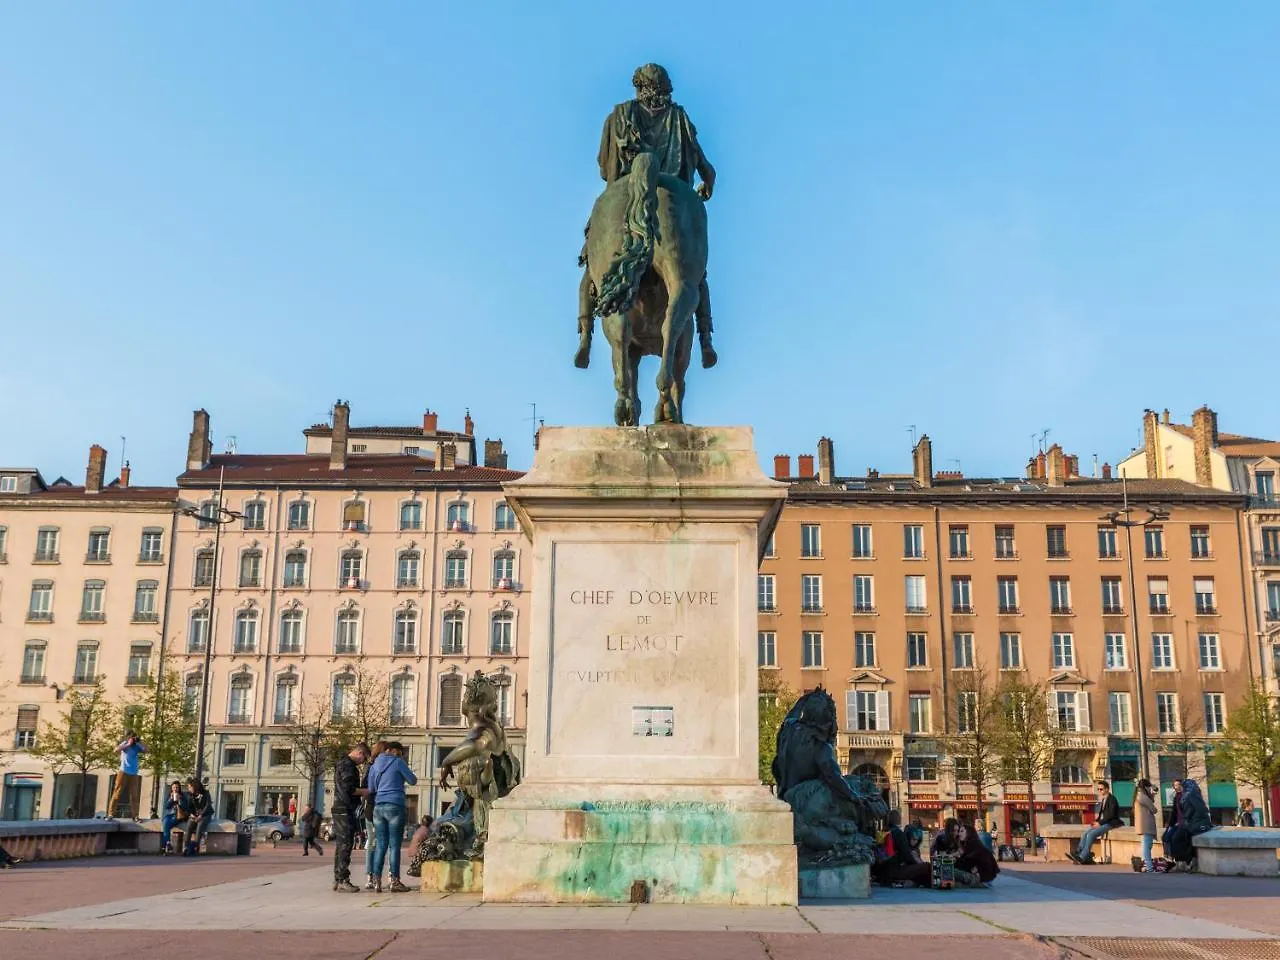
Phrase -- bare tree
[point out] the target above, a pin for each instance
(1188, 742)
(976, 717)
(1028, 737)
(316, 740)
(84, 738)
(365, 716)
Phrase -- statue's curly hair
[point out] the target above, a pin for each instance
(482, 693)
(651, 75)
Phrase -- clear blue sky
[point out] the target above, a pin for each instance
(980, 218)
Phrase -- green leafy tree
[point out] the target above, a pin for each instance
(84, 738)
(776, 700)
(977, 715)
(1250, 749)
(160, 719)
(1028, 737)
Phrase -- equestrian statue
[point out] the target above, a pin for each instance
(645, 255)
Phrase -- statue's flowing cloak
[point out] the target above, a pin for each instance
(631, 129)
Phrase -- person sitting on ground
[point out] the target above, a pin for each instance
(946, 841)
(201, 817)
(975, 859)
(1106, 818)
(915, 837)
(984, 837)
(899, 867)
(177, 808)
(1193, 820)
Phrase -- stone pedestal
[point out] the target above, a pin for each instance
(851, 882)
(452, 876)
(641, 778)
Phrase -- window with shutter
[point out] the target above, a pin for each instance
(451, 700)
(25, 729)
(882, 710)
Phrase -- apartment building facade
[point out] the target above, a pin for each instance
(888, 590)
(83, 570)
(395, 564)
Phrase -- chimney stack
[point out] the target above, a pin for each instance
(448, 456)
(826, 461)
(1056, 466)
(1106, 471)
(97, 469)
(338, 444)
(1150, 443)
(922, 461)
(805, 466)
(1072, 463)
(199, 446)
(782, 467)
(124, 474)
(494, 455)
(468, 425)
(430, 423)
(1204, 433)
(1164, 417)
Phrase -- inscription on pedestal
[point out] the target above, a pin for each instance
(636, 624)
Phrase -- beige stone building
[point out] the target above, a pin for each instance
(82, 594)
(888, 590)
(405, 563)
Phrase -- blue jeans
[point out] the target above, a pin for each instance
(369, 844)
(1147, 840)
(167, 823)
(388, 825)
(1085, 850)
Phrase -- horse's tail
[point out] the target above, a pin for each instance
(621, 281)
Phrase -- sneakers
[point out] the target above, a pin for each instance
(1073, 856)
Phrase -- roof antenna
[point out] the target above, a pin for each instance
(911, 429)
(231, 444)
(122, 459)
(1040, 439)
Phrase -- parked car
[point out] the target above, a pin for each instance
(271, 827)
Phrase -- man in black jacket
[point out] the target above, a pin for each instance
(346, 808)
(1106, 818)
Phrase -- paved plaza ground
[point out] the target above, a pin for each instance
(278, 901)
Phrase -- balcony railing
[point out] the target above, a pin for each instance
(46, 556)
(504, 583)
(1266, 558)
(39, 616)
(82, 679)
(31, 678)
(284, 719)
(92, 616)
(1112, 609)
(238, 718)
(962, 608)
(1008, 608)
(1273, 616)
(455, 583)
(811, 607)
(406, 583)
(137, 680)
(864, 608)
(1160, 606)
(100, 557)
(917, 608)
(155, 557)
(769, 607)
(1206, 607)
(145, 616)
(1060, 609)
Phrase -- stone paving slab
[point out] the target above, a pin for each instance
(302, 900)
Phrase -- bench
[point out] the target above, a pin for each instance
(1238, 852)
(1121, 843)
(63, 839)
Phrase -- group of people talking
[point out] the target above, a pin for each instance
(900, 862)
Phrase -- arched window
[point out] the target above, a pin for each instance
(198, 631)
(246, 636)
(451, 699)
(251, 568)
(459, 517)
(455, 570)
(504, 570)
(504, 517)
(408, 565)
(502, 640)
(347, 638)
(405, 641)
(344, 695)
(286, 706)
(240, 709)
(403, 695)
(203, 574)
(1070, 773)
(295, 568)
(353, 515)
(300, 515)
(453, 637)
(255, 515)
(411, 515)
(352, 568)
(191, 694)
(291, 631)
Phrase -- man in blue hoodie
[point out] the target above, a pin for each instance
(387, 779)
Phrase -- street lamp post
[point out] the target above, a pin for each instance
(1128, 523)
(220, 516)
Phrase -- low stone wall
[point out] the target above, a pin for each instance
(64, 839)
(1238, 852)
(1122, 843)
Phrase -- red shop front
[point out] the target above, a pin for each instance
(1015, 814)
(1073, 808)
(927, 807)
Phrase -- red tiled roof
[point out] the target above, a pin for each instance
(362, 469)
(324, 430)
(113, 493)
(1234, 444)
(1084, 489)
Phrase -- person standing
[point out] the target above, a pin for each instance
(366, 814)
(128, 778)
(346, 807)
(1106, 818)
(1144, 821)
(309, 826)
(387, 779)
(201, 816)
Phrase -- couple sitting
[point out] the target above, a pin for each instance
(974, 863)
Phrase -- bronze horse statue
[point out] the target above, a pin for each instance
(647, 254)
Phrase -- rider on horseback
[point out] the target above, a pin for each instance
(650, 123)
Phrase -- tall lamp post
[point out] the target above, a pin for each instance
(1123, 518)
(217, 514)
